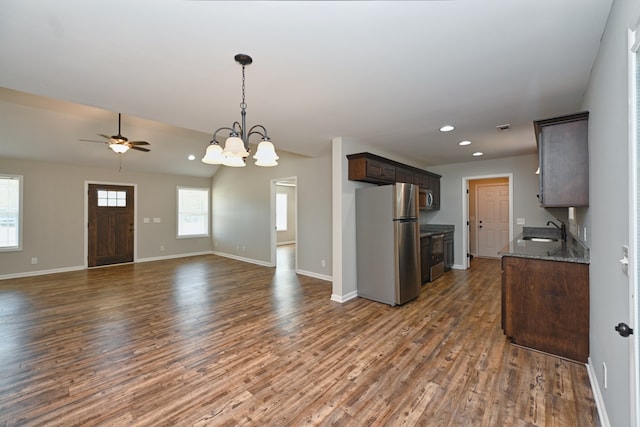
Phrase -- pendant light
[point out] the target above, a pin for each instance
(236, 147)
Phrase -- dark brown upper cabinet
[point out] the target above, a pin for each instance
(563, 152)
(367, 167)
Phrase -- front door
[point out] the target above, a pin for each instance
(492, 219)
(110, 233)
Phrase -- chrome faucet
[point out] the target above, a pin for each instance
(562, 228)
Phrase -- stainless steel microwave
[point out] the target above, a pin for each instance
(425, 199)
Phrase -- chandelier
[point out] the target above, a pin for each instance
(236, 147)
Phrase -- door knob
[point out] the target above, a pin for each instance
(624, 330)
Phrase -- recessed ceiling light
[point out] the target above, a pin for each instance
(191, 157)
(446, 128)
(464, 142)
(478, 154)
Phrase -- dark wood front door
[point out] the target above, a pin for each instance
(111, 214)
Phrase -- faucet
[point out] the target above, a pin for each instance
(562, 228)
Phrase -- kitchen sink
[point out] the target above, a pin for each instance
(540, 239)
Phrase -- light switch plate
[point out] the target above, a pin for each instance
(520, 221)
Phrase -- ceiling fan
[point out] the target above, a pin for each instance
(119, 143)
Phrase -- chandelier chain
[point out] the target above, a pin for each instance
(243, 105)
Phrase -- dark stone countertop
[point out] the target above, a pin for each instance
(433, 229)
(573, 250)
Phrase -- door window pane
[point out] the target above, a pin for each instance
(112, 198)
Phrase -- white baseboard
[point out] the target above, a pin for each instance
(597, 395)
(164, 257)
(344, 298)
(239, 258)
(315, 275)
(41, 272)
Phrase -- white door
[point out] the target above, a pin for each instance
(492, 219)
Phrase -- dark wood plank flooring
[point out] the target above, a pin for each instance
(210, 341)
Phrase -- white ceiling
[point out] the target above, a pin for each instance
(386, 73)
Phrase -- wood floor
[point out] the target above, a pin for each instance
(209, 341)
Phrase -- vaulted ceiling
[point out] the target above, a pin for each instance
(386, 73)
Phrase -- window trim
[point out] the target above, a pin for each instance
(208, 220)
(20, 227)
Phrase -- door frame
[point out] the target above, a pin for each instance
(274, 234)
(86, 217)
(633, 39)
(465, 211)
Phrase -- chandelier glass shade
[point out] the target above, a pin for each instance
(236, 147)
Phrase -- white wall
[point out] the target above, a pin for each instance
(606, 219)
(241, 199)
(54, 205)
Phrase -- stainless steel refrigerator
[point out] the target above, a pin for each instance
(388, 243)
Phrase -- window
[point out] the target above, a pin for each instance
(281, 211)
(10, 212)
(193, 212)
(112, 198)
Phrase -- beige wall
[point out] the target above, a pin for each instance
(242, 211)
(54, 215)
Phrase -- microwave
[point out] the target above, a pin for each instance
(425, 199)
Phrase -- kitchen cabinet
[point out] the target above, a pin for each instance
(448, 250)
(367, 167)
(372, 170)
(564, 160)
(545, 305)
(425, 258)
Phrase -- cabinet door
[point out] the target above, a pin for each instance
(434, 185)
(404, 175)
(564, 162)
(425, 256)
(379, 170)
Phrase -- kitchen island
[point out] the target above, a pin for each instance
(545, 294)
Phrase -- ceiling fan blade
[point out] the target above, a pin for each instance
(133, 147)
(93, 140)
(138, 143)
(104, 136)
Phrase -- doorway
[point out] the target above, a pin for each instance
(497, 213)
(284, 223)
(491, 217)
(110, 224)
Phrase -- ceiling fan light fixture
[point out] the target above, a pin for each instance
(213, 155)
(236, 147)
(119, 148)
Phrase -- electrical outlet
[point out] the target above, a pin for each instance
(323, 263)
(161, 248)
(520, 221)
(34, 260)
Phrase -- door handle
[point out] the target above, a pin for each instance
(624, 330)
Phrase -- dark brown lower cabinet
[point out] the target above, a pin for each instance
(545, 305)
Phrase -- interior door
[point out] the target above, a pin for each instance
(111, 219)
(492, 204)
